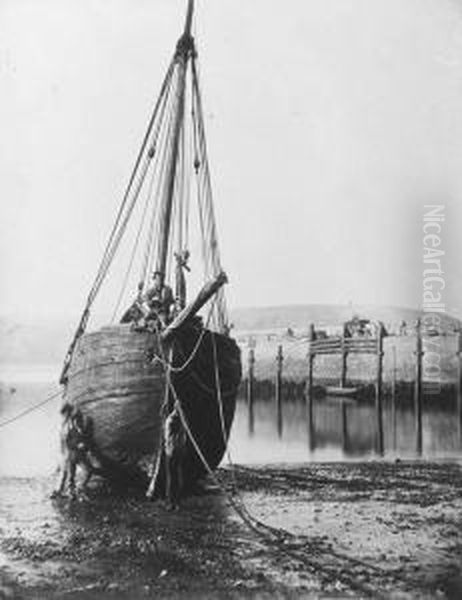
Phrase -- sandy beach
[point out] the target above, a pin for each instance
(370, 529)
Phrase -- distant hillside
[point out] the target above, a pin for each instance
(42, 342)
(46, 341)
(300, 316)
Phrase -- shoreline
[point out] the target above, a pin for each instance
(350, 529)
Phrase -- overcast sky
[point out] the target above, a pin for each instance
(331, 123)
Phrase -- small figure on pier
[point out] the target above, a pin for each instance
(358, 327)
(403, 328)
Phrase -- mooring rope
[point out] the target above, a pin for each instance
(279, 536)
(275, 535)
(30, 409)
(242, 511)
(198, 450)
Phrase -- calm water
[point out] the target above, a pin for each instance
(339, 430)
(335, 430)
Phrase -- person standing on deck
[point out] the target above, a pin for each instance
(138, 311)
(160, 300)
(180, 279)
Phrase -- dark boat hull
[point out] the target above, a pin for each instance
(114, 380)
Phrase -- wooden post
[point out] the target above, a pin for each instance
(345, 436)
(251, 418)
(311, 355)
(311, 425)
(393, 399)
(343, 367)
(311, 333)
(459, 379)
(250, 389)
(279, 364)
(418, 386)
(250, 377)
(378, 389)
(310, 376)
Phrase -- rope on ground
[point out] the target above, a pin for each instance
(30, 409)
(275, 535)
(202, 458)
(197, 449)
(243, 510)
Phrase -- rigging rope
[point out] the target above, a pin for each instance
(274, 535)
(212, 253)
(31, 409)
(120, 222)
(133, 254)
(109, 252)
(165, 140)
(149, 196)
(197, 449)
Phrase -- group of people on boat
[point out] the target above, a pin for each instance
(154, 306)
(159, 304)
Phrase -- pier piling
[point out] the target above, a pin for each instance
(418, 387)
(311, 337)
(279, 367)
(344, 360)
(378, 390)
(393, 399)
(251, 376)
(459, 380)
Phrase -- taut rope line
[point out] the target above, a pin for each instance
(30, 409)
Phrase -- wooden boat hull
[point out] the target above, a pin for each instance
(114, 380)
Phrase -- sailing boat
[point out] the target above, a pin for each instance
(128, 375)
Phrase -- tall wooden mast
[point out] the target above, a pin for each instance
(189, 16)
(184, 50)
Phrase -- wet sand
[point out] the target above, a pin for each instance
(376, 529)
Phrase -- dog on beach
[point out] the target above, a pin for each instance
(175, 452)
(76, 442)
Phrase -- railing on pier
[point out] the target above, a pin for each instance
(419, 354)
(344, 346)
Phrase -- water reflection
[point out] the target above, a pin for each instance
(264, 431)
(339, 429)
(29, 446)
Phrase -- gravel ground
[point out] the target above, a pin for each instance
(375, 529)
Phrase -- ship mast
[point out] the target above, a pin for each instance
(184, 51)
(189, 16)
